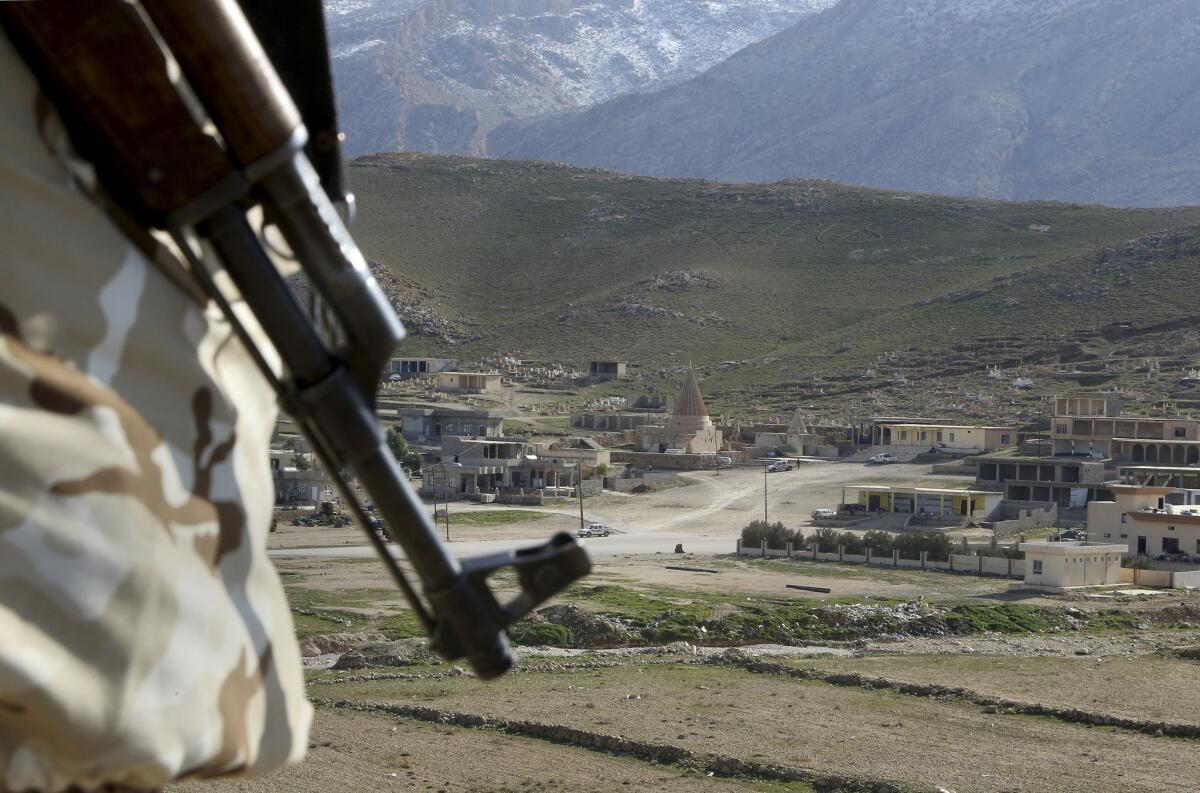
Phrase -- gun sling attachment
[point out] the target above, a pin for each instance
(190, 150)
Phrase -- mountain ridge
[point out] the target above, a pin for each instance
(1076, 100)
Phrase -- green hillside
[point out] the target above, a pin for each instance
(791, 281)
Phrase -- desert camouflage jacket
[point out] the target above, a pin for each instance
(144, 635)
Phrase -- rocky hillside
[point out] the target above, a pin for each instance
(438, 75)
(781, 291)
(1080, 100)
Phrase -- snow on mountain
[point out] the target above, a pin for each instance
(1082, 100)
(438, 75)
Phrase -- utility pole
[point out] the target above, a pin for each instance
(765, 469)
(579, 464)
(446, 498)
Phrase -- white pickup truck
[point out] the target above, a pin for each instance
(883, 459)
(594, 530)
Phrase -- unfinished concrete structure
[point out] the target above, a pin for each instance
(429, 425)
(689, 430)
(608, 370)
(1095, 425)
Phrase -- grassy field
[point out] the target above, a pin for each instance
(799, 277)
(495, 517)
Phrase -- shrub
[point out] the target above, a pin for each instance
(880, 542)
(1142, 562)
(935, 543)
(827, 540)
(852, 543)
(778, 535)
(542, 633)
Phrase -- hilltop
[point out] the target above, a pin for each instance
(777, 292)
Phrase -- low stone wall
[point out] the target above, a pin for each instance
(1024, 516)
(958, 563)
(712, 764)
(990, 703)
(652, 480)
(1161, 579)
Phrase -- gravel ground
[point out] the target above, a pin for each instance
(357, 753)
(922, 742)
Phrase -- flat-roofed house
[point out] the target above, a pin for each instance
(960, 438)
(1062, 566)
(1148, 521)
(468, 382)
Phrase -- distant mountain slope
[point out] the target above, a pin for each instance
(1082, 100)
(762, 286)
(437, 75)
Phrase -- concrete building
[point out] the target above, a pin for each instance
(958, 438)
(293, 486)
(495, 465)
(1066, 481)
(416, 367)
(930, 501)
(576, 450)
(1094, 425)
(609, 422)
(1148, 521)
(608, 370)
(689, 429)
(430, 425)
(468, 382)
(797, 438)
(1062, 566)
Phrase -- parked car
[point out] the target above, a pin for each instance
(851, 509)
(823, 512)
(722, 460)
(883, 458)
(594, 530)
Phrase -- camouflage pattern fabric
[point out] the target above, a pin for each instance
(144, 635)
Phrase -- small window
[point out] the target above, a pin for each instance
(1170, 528)
(1126, 536)
(1170, 545)
(1181, 432)
(952, 437)
(1037, 566)
(903, 435)
(1124, 519)
(1004, 439)
(1106, 534)
(1061, 429)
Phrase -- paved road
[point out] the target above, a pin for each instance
(613, 545)
(706, 517)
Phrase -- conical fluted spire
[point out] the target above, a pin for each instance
(690, 402)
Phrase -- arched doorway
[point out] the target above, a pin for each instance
(1139, 454)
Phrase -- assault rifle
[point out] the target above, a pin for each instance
(189, 126)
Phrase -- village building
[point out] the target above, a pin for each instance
(429, 425)
(609, 422)
(608, 370)
(295, 486)
(502, 466)
(580, 450)
(468, 382)
(689, 429)
(1062, 566)
(1148, 521)
(796, 438)
(1070, 482)
(951, 438)
(418, 367)
(1093, 425)
(932, 502)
